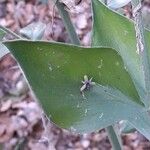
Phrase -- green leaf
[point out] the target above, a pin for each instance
(125, 127)
(55, 72)
(34, 30)
(3, 49)
(113, 30)
(142, 123)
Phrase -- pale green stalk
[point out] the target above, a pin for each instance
(114, 138)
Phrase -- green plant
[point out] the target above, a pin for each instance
(120, 71)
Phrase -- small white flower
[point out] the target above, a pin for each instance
(87, 83)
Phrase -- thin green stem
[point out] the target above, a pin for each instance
(142, 49)
(114, 138)
(10, 32)
(67, 22)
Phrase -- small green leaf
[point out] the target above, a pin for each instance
(142, 123)
(125, 127)
(55, 72)
(34, 30)
(3, 50)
